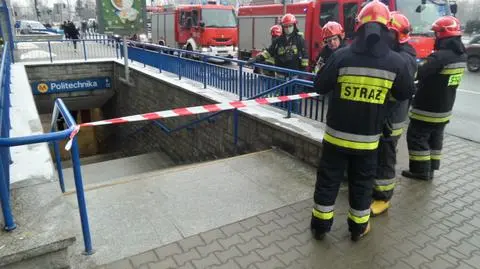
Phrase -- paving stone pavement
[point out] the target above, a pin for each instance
(431, 225)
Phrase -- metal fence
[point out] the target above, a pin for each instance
(231, 77)
(53, 137)
(67, 49)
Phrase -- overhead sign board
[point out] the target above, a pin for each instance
(122, 17)
(60, 86)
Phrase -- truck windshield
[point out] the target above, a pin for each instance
(220, 18)
(421, 22)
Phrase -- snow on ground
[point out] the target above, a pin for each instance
(36, 54)
(29, 161)
(26, 46)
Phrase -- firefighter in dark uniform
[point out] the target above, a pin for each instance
(333, 37)
(438, 79)
(396, 115)
(288, 51)
(275, 32)
(362, 77)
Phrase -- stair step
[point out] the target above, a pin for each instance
(111, 170)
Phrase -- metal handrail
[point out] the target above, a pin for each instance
(240, 62)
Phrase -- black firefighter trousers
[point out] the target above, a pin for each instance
(387, 158)
(425, 141)
(330, 173)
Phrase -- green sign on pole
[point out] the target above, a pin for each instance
(122, 17)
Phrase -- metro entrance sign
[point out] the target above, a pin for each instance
(50, 87)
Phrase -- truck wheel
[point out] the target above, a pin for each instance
(473, 64)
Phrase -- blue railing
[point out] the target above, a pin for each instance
(237, 80)
(53, 137)
(5, 158)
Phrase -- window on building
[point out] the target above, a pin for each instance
(328, 12)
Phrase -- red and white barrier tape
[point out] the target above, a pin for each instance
(186, 111)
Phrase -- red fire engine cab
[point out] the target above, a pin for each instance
(210, 29)
(255, 22)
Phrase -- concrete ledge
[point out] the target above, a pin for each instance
(45, 228)
(52, 260)
(29, 161)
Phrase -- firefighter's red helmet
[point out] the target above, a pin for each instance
(333, 28)
(288, 19)
(276, 31)
(446, 26)
(374, 11)
(400, 24)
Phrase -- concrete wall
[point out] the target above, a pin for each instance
(205, 142)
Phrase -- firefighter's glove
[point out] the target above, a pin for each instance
(387, 129)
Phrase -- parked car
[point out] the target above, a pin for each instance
(35, 27)
(473, 53)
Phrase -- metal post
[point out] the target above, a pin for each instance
(117, 47)
(240, 82)
(84, 50)
(125, 59)
(284, 7)
(204, 73)
(50, 51)
(289, 104)
(5, 201)
(82, 207)
(179, 66)
(58, 161)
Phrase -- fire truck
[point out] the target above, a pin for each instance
(255, 22)
(210, 28)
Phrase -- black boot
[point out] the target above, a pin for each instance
(418, 176)
(318, 228)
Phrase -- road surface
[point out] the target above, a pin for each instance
(465, 122)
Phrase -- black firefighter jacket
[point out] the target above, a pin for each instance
(362, 78)
(398, 110)
(288, 52)
(438, 79)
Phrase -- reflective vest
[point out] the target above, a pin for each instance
(439, 77)
(361, 86)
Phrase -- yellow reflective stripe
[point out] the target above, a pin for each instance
(266, 54)
(377, 82)
(429, 119)
(397, 132)
(436, 157)
(358, 220)
(322, 215)
(304, 62)
(368, 72)
(350, 144)
(385, 187)
(379, 19)
(419, 158)
(452, 71)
